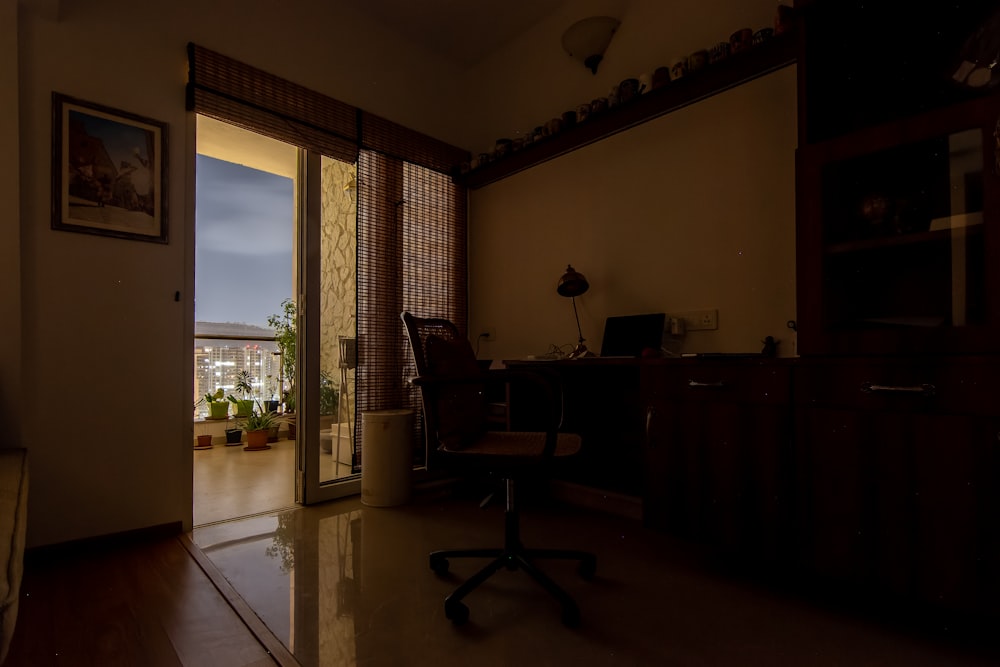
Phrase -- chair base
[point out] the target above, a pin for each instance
(512, 556)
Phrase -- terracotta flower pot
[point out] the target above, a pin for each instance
(257, 440)
(204, 441)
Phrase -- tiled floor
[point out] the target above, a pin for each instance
(347, 584)
(231, 482)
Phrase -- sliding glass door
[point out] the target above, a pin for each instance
(327, 464)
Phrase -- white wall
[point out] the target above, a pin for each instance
(106, 350)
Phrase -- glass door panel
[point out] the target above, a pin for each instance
(329, 463)
(904, 239)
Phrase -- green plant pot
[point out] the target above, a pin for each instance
(244, 407)
(218, 410)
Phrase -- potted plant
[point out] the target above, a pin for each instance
(257, 426)
(271, 404)
(329, 394)
(286, 337)
(244, 385)
(218, 406)
(234, 435)
(289, 400)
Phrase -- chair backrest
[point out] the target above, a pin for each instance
(454, 411)
(419, 329)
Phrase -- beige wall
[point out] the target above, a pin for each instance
(690, 211)
(533, 79)
(693, 210)
(673, 201)
(10, 249)
(103, 335)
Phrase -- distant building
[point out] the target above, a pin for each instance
(223, 349)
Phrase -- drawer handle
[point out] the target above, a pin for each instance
(925, 390)
(718, 384)
(650, 413)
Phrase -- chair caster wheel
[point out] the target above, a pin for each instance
(571, 616)
(587, 568)
(439, 565)
(456, 612)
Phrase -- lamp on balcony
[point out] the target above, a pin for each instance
(573, 284)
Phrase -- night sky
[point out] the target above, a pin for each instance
(243, 243)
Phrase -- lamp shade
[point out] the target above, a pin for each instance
(572, 283)
(587, 39)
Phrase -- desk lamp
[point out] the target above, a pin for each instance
(573, 284)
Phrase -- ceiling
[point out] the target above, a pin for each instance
(463, 31)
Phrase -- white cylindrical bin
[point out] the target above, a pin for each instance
(386, 457)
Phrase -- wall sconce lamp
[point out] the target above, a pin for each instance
(587, 39)
(573, 284)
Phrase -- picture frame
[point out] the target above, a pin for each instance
(109, 171)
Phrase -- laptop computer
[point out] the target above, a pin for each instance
(629, 335)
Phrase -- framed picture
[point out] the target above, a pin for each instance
(109, 171)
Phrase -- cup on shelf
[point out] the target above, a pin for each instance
(741, 40)
(762, 35)
(502, 147)
(645, 83)
(697, 60)
(678, 68)
(661, 76)
(627, 90)
(718, 53)
(598, 104)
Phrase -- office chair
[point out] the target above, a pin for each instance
(455, 420)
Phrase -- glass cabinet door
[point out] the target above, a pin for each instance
(895, 227)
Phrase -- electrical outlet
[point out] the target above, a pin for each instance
(488, 334)
(700, 320)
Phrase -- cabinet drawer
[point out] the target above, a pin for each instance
(964, 385)
(747, 382)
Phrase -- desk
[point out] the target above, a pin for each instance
(601, 402)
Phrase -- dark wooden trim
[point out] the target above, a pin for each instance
(102, 542)
(772, 55)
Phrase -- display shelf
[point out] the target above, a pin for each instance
(772, 55)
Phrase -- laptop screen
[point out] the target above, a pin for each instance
(629, 335)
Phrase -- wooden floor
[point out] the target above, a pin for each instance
(150, 601)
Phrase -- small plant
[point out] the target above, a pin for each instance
(259, 420)
(217, 406)
(329, 394)
(286, 337)
(244, 385)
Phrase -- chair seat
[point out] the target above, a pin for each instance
(518, 444)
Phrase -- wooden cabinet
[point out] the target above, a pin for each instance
(897, 463)
(895, 226)
(716, 453)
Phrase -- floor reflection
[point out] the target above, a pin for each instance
(346, 584)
